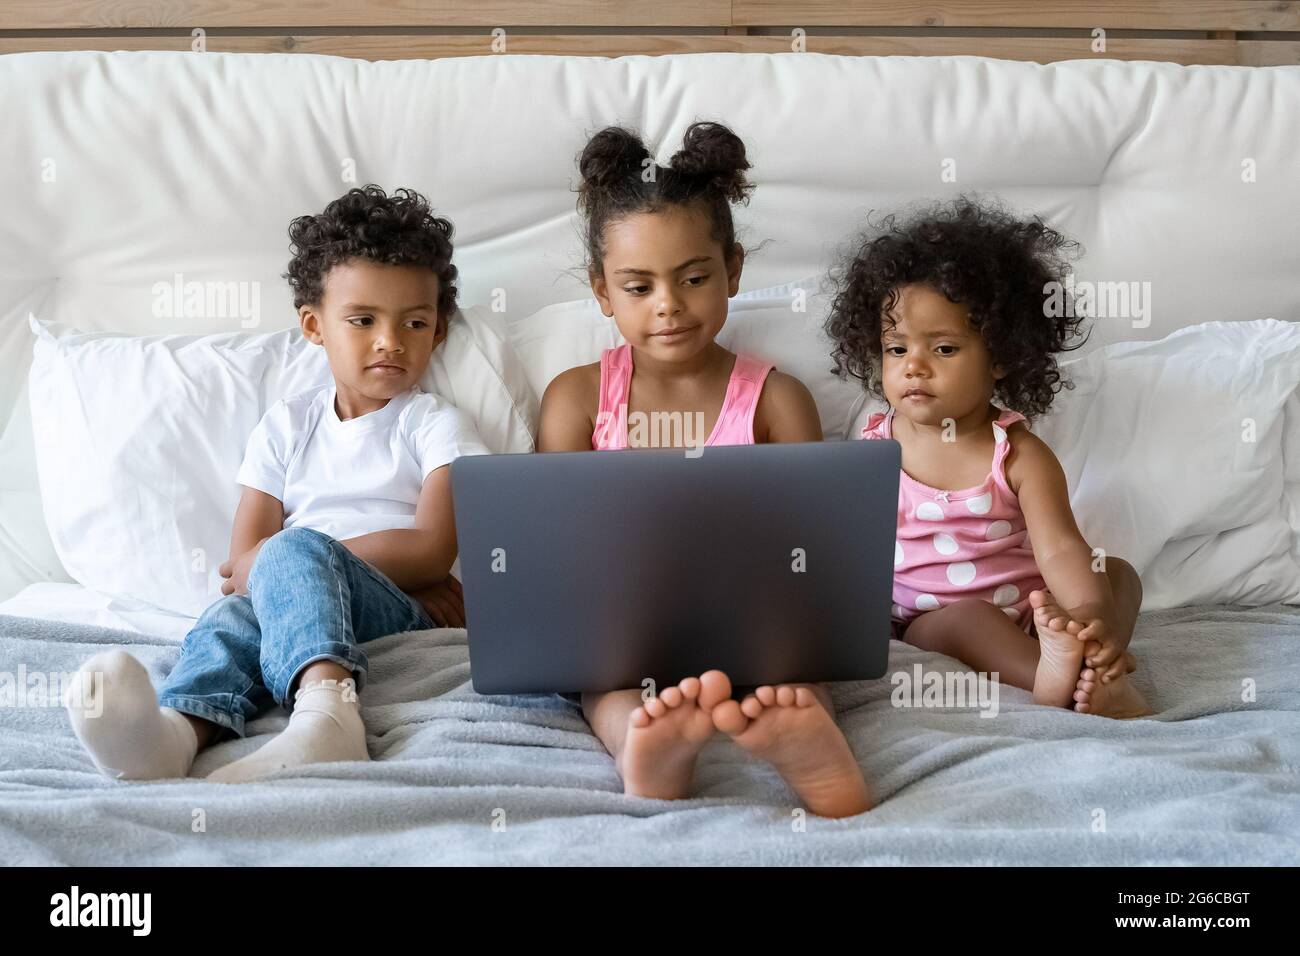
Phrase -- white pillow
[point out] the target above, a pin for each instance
(1153, 442)
(782, 324)
(138, 439)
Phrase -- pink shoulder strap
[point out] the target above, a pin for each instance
(1002, 443)
(880, 425)
(610, 433)
(735, 425)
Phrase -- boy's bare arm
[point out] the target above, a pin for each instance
(257, 518)
(415, 558)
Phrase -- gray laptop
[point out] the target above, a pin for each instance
(597, 570)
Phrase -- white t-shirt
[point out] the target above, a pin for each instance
(349, 478)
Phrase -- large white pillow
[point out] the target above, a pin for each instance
(782, 324)
(138, 439)
(1153, 440)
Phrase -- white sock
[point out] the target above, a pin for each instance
(115, 714)
(325, 727)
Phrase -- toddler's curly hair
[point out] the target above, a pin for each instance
(367, 223)
(974, 253)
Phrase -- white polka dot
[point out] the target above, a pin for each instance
(961, 572)
(945, 543)
(997, 529)
(999, 434)
(929, 511)
(980, 504)
(898, 553)
(1007, 594)
(1011, 612)
(926, 602)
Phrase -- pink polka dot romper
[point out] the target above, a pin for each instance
(961, 544)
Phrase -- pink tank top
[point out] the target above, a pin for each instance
(971, 543)
(735, 424)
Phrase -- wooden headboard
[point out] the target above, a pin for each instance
(1246, 32)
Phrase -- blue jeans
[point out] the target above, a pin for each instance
(309, 599)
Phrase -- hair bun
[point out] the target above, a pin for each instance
(611, 157)
(716, 156)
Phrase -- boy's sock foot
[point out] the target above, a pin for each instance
(1060, 652)
(793, 731)
(325, 727)
(666, 734)
(115, 714)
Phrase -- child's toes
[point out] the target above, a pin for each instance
(671, 697)
(729, 718)
(1116, 669)
(751, 706)
(1105, 656)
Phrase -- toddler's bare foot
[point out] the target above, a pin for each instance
(666, 734)
(793, 731)
(1116, 698)
(1060, 652)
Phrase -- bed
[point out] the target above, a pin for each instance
(459, 778)
(115, 502)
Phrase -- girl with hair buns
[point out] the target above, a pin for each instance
(663, 260)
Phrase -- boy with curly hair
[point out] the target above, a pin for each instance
(345, 513)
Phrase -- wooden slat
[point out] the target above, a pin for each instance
(1111, 14)
(1268, 52)
(1038, 49)
(1238, 15)
(210, 14)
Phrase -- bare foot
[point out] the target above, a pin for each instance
(1060, 652)
(794, 731)
(666, 734)
(1116, 698)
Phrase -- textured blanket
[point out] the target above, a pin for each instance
(458, 778)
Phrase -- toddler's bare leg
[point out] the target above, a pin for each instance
(985, 639)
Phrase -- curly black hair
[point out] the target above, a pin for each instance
(620, 178)
(975, 253)
(367, 223)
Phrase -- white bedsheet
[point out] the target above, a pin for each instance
(76, 604)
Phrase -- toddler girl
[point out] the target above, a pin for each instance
(941, 315)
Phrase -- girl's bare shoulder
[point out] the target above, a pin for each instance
(1028, 454)
(577, 384)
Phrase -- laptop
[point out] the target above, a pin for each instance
(593, 571)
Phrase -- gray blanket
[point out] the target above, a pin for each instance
(457, 778)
